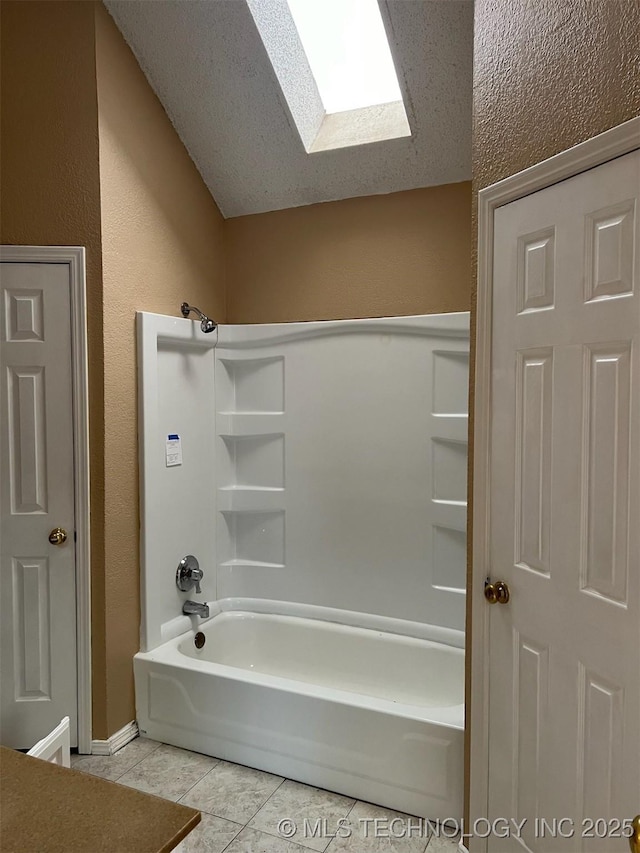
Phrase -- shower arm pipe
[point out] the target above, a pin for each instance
(206, 324)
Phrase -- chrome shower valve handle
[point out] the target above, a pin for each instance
(189, 574)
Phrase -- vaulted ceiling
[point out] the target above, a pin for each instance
(208, 65)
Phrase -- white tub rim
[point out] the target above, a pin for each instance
(169, 654)
(352, 618)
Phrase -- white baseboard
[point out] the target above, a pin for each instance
(116, 741)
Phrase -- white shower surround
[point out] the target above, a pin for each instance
(323, 477)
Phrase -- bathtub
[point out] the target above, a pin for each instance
(366, 706)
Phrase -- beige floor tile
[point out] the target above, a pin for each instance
(168, 772)
(378, 830)
(113, 766)
(232, 791)
(252, 841)
(211, 835)
(441, 842)
(314, 814)
(230, 796)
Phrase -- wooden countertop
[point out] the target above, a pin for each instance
(45, 808)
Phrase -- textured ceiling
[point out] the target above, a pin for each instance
(207, 63)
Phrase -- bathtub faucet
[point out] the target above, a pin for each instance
(196, 608)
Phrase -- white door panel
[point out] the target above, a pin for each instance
(564, 682)
(38, 633)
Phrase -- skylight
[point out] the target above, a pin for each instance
(334, 65)
(348, 51)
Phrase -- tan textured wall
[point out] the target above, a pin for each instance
(51, 196)
(546, 76)
(404, 253)
(79, 122)
(162, 244)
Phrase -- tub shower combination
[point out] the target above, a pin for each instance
(317, 471)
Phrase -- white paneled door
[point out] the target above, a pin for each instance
(38, 684)
(564, 652)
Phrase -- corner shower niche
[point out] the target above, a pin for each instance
(250, 430)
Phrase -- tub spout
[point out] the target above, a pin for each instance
(196, 608)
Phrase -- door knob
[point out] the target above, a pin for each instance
(496, 593)
(634, 838)
(58, 536)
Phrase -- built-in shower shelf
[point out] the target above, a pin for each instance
(256, 533)
(247, 499)
(449, 514)
(450, 427)
(251, 564)
(250, 415)
(250, 489)
(252, 384)
(240, 424)
(252, 462)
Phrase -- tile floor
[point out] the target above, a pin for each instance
(241, 807)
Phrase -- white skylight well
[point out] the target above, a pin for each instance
(334, 64)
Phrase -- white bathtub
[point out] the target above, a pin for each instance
(371, 713)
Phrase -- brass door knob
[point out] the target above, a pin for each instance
(58, 536)
(634, 838)
(496, 593)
